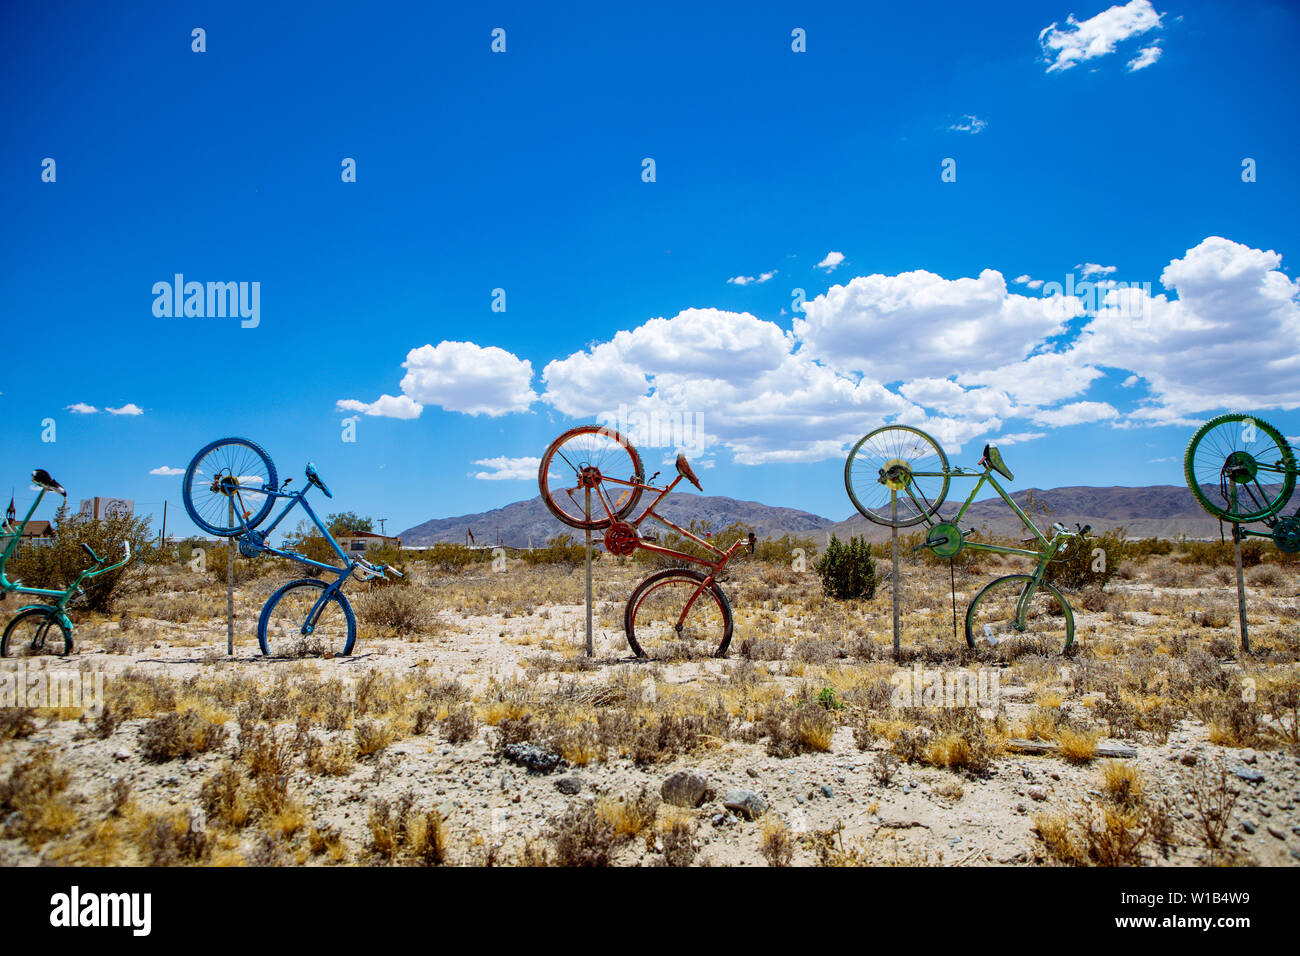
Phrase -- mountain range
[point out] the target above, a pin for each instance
(1165, 511)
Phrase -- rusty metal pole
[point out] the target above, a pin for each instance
(591, 649)
(893, 535)
(230, 584)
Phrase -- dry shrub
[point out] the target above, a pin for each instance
(224, 796)
(401, 832)
(1078, 746)
(678, 839)
(405, 610)
(32, 800)
(778, 843)
(583, 837)
(796, 729)
(630, 816)
(179, 735)
(372, 737)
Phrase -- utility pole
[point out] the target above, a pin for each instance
(381, 524)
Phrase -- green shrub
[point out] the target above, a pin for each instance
(1076, 566)
(56, 565)
(847, 570)
(561, 549)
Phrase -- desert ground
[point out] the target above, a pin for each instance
(469, 727)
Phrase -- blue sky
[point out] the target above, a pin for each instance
(523, 171)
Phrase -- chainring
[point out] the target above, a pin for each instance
(1286, 534)
(944, 548)
(621, 539)
(251, 544)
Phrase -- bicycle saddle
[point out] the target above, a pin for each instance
(41, 478)
(993, 458)
(313, 478)
(684, 469)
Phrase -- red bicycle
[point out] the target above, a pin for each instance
(591, 478)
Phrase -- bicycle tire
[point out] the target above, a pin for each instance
(52, 617)
(273, 644)
(1211, 448)
(204, 512)
(595, 450)
(712, 629)
(883, 446)
(992, 599)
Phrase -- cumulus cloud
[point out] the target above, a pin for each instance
(167, 471)
(921, 325)
(507, 469)
(1028, 281)
(459, 377)
(832, 260)
(1077, 413)
(385, 406)
(1066, 47)
(130, 408)
(81, 408)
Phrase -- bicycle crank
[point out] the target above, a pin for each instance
(621, 539)
(1286, 534)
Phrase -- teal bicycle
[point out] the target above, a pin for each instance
(39, 629)
(898, 476)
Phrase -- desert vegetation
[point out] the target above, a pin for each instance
(470, 728)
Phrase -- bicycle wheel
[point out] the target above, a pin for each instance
(230, 463)
(1000, 613)
(580, 458)
(1242, 457)
(294, 622)
(35, 632)
(669, 617)
(888, 460)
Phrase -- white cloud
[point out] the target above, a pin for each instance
(1146, 56)
(1026, 280)
(832, 260)
(1018, 438)
(1079, 41)
(81, 408)
(1130, 381)
(1076, 414)
(1093, 269)
(167, 471)
(921, 325)
(385, 406)
(1203, 350)
(130, 408)
(457, 376)
(508, 469)
(747, 280)
(969, 124)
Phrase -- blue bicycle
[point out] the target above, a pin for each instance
(230, 488)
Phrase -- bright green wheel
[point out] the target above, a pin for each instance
(1240, 468)
(902, 459)
(1012, 608)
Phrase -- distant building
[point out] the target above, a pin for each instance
(38, 533)
(359, 542)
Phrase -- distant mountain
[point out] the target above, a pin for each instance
(1165, 511)
(1154, 511)
(525, 522)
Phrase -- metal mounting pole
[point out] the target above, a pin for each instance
(1241, 579)
(893, 535)
(230, 584)
(591, 649)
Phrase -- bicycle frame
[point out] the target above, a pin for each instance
(1050, 546)
(256, 539)
(715, 567)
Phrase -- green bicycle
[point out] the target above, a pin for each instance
(898, 476)
(43, 628)
(1241, 469)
